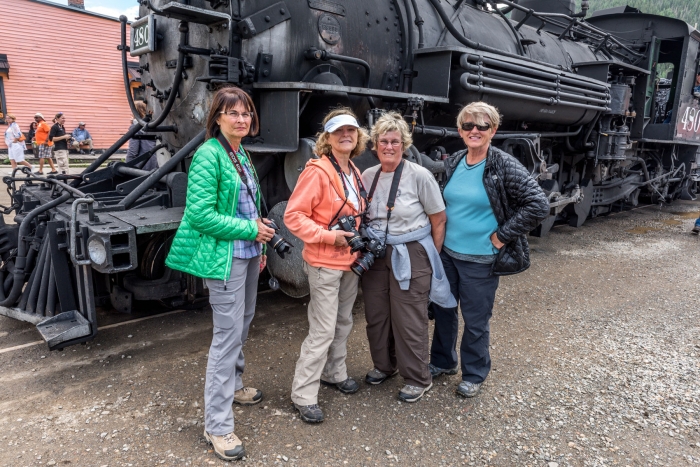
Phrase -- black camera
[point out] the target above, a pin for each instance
(277, 242)
(348, 224)
(372, 250)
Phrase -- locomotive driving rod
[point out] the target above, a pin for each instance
(163, 170)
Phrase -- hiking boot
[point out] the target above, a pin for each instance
(310, 413)
(467, 389)
(227, 447)
(349, 386)
(375, 376)
(437, 371)
(247, 396)
(696, 229)
(410, 393)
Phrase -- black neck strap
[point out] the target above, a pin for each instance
(392, 191)
(358, 179)
(241, 172)
(354, 172)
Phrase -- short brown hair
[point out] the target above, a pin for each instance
(141, 108)
(392, 121)
(323, 147)
(226, 99)
(11, 117)
(479, 110)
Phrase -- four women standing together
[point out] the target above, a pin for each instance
(490, 203)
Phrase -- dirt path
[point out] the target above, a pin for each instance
(596, 353)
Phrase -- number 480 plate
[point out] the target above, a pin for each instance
(143, 36)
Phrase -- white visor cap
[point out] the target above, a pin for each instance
(341, 120)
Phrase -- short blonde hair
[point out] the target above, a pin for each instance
(323, 147)
(11, 117)
(391, 121)
(480, 112)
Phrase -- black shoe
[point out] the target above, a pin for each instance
(349, 386)
(436, 371)
(375, 376)
(53, 172)
(309, 413)
(696, 229)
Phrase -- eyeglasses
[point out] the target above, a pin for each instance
(384, 143)
(235, 115)
(469, 126)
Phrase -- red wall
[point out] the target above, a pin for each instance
(67, 61)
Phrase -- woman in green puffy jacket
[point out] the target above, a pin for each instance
(221, 239)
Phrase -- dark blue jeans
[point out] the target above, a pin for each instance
(474, 287)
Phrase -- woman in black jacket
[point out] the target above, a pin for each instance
(492, 203)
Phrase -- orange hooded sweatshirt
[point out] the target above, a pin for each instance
(316, 199)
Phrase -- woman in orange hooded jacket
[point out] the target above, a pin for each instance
(328, 189)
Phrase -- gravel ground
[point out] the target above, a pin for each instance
(595, 360)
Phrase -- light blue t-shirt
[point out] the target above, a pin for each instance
(470, 219)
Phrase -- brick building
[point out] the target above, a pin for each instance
(56, 58)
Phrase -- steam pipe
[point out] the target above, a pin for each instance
(176, 82)
(315, 54)
(24, 259)
(418, 22)
(112, 149)
(162, 170)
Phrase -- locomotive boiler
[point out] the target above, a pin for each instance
(602, 111)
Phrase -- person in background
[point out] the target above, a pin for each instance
(81, 136)
(328, 190)
(222, 239)
(138, 146)
(397, 287)
(30, 137)
(696, 89)
(14, 139)
(492, 203)
(44, 143)
(60, 138)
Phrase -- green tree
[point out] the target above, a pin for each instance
(686, 10)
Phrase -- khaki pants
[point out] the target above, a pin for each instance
(76, 144)
(61, 156)
(324, 350)
(397, 320)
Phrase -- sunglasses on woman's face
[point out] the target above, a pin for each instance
(469, 126)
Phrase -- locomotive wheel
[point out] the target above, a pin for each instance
(582, 210)
(152, 264)
(288, 270)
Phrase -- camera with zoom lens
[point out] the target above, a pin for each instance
(372, 250)
(348, 224)
(277, 242)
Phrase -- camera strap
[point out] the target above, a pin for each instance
(241, 171)
(391, 200)
(362, 195)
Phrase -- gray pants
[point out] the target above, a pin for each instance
(233, 306)
(324, 350)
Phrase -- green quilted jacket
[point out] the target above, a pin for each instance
(203, 244)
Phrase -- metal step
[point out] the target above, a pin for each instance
(64, 327)
(192, 14)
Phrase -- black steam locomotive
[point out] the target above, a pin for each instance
(601, 110)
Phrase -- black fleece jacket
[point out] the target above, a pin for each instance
(518, 203)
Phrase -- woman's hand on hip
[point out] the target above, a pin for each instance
(263, 262)
(496, 242)
(340, 238)
(265, 233)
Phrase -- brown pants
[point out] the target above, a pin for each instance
(397, 320)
